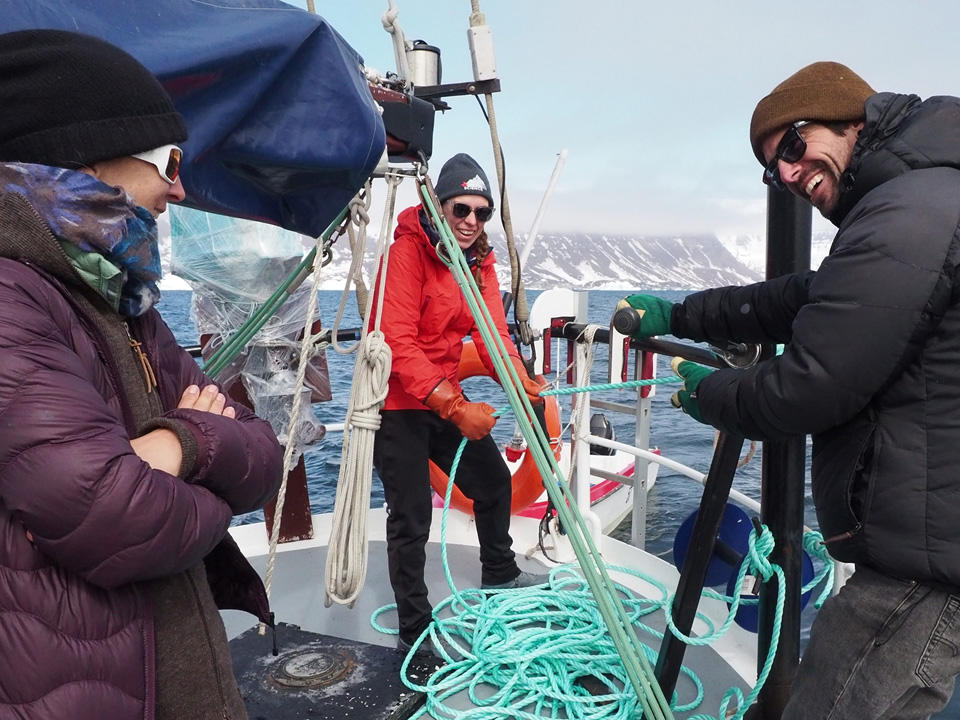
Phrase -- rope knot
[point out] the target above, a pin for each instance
(759, 549)
(359, 206)
(366, 419)
(389, 18)
(813, 544)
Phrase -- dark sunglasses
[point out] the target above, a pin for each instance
(792, 147)
(166, 159)
(462, 210)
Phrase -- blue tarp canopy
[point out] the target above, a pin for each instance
(283, 128)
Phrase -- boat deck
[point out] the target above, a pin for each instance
(298, 599)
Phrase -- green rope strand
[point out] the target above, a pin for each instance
(613, 386)
(531, 646)
(635, 662)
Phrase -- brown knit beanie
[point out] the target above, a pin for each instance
(824, 91)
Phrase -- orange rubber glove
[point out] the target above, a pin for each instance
(474, 420)
(530, 386)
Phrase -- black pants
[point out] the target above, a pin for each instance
(406, 440)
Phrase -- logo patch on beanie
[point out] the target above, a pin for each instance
(475, 183)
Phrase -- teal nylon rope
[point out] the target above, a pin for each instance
(634, 660)
(529, 647)
(613, 386)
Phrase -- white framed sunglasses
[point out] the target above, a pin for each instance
(166, 159)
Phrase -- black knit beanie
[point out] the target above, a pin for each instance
(823, 91)
(461, 175)
(72, 100)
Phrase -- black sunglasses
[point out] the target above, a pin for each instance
(791, 148)
(462, 210)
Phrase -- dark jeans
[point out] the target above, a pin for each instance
(882, 649)
(406, 440)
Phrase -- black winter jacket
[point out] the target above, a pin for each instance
(872, 363)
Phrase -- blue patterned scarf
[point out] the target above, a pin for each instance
(96, 218)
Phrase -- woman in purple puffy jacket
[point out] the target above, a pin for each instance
(121, 464)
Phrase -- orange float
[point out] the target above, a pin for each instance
(527, 485)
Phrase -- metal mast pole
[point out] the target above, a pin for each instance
(783, 474)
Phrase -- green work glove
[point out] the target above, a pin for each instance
(686, 398)
(654, 314)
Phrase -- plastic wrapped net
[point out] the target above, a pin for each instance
(234, 266)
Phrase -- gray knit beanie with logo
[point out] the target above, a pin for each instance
(461, 175)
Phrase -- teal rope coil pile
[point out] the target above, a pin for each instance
(524, 653)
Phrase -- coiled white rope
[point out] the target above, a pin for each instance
(346, 567)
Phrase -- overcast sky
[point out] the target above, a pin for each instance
(651, 100)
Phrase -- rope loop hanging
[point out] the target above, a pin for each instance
(358, 248)
(346, 566)
(357, 235)
(392, 26)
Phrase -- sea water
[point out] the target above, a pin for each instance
(679, 437)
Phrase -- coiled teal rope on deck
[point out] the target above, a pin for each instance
(635, 663)
(523, 653)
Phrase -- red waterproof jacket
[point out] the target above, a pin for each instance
(425, 316)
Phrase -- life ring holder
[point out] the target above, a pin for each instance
(527, 485)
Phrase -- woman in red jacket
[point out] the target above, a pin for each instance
(426, 416)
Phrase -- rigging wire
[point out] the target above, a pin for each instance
(521, 312)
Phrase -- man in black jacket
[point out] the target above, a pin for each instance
(870, 368)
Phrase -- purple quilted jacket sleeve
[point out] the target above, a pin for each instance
(68, 474)
(238, 459)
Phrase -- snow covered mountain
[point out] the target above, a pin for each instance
(618, 262)
(608, 262)
(611, 262)
(751, 249)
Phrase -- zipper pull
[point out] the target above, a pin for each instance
(150, 377)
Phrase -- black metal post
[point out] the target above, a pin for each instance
(789, 222)
(703, 539)
(571, 331)
(789, 226)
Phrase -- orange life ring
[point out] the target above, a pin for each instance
(527, 485)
